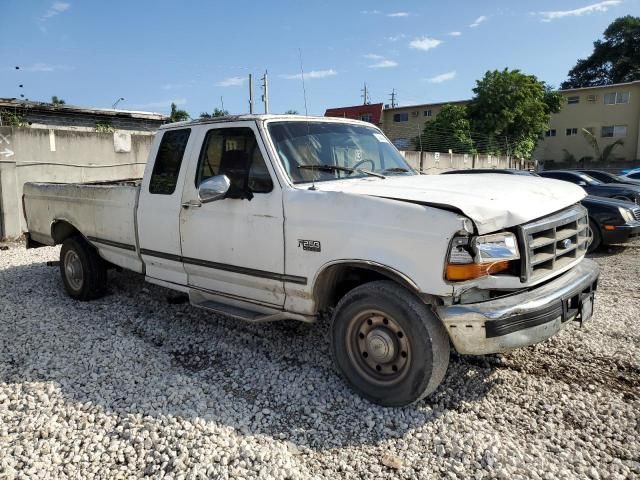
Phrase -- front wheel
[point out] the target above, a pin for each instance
(388, 345)
(596, 237)
(83, 271)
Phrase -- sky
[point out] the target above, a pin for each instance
(199, 54)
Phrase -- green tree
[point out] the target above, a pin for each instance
(57, 101)
(450, 130)
(177, 115)
(615, 59)
(291, 112)
(217, 112)
(511, 110)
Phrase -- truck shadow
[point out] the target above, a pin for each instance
(133, 352)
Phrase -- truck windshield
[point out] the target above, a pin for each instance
(339, 150)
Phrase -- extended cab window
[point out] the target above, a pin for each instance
(168, 160)
(234, 152)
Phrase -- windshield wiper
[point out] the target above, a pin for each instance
(395, 170)
(333, 168)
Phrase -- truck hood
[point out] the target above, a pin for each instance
(492, 201)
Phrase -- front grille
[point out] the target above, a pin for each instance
(636, 213)
(553, 242)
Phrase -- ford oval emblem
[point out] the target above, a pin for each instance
(566, 243)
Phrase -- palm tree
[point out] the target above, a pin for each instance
(217, 112)
(601, 156)
(57, 101)
(177, 115)
(570, 158)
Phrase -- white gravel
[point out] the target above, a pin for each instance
(131, 386)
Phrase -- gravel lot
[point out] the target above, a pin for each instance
(132, 385)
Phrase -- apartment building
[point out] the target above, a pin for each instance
(403, 124)
(610, 112)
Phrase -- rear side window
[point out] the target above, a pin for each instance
(168, 161)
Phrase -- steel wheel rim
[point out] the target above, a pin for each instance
(378, 347)
(73, 270)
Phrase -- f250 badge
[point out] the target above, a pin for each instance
(309, 245)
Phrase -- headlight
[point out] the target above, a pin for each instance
(627, 214)
(474, 257)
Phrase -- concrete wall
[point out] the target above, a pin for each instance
(433, 163)
(65, 156)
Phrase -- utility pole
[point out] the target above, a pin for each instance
(222, 103)
(393, 98)
(265, 92)
(365, 95)
(250, 93)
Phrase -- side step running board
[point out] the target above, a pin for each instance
(250, 315)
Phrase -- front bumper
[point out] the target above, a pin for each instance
(521, 319)
(622, 233)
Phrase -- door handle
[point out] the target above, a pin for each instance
(191, 204)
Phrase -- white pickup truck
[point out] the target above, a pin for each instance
(265, 217)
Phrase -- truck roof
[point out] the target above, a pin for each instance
(263, 117)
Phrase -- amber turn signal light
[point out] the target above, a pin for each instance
(469, 271)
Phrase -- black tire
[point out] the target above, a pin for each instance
(413, 339)
(83, 271)
(596, 240)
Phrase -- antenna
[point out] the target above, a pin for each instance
(304, 90)
(306, 114)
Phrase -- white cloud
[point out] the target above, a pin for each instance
(455, 34)
(443, 77)
(479, 20)
(395, 38)
(384, 64)
(398, 14)
(424, 43)
(373, 56)
(578, 12)
(44, 67)
(311, 74)
(371, 12)
(231, 82)
(56, 8)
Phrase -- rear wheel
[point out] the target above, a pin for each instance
(388, 345)
(83, 271)
(596, 237)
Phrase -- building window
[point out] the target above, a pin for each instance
(366, 117)
(550, 133)
(592, 98)
(614, 131)
(571, 131)
(401, 117)
(573, 100)
(427, 113)
(615, 98)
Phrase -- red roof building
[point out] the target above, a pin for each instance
(369, 113)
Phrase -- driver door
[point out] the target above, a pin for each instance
(234, 247)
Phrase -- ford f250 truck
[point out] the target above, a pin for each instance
(265, 217)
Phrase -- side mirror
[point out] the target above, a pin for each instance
(582, 183)
(213, 188)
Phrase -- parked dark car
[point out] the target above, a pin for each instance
(606, 177)
(619, 191)
(610, 220)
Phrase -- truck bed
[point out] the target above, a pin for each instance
(103, 211)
